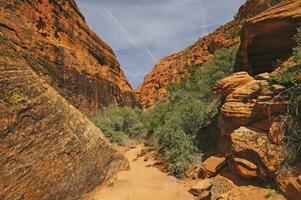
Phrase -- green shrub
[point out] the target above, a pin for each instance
(177, 122)
(175, 145)
(288, 77)
(121, 124)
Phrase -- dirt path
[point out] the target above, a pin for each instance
(142, 182)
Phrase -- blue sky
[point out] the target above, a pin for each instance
(143, 31)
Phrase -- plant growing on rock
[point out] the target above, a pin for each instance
(291, 78)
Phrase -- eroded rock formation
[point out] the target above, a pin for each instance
(251, 125)
(267, 38)
(56, 42)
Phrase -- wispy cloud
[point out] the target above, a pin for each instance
(143, 31)
(127, 35)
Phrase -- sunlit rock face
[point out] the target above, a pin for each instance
(55, 40)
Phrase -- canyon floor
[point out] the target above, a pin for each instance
(142, 182)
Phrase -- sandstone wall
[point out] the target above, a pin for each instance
(48, 149)
(55, 40)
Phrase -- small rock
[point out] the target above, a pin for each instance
(223, 197)
(263, 76)
(212, 166)
(202, 186)
(245, 168)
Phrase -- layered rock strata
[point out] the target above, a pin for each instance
(53, 37)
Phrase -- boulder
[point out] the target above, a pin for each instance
(245, 168)
(212, 166)
(201, 187)
(255, 147)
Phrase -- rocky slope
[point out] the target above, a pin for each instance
(48, 59)
(56, 42)
(173, 67)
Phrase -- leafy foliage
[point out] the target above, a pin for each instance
(178, 120)
(121, 124)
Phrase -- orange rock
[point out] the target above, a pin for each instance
(48, 149)
(245, 168)
(55, 39)
(212, 166)
(173, 67)
(227, 85)
(255, 147)
(259, 52)
(276, 132)
(249, 102)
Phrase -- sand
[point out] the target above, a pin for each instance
(142, 182)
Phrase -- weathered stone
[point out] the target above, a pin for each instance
(212, 166)
(245, 168)
(259, 51)
(201, 188)
(289, 182)
(255, 147)
(53, 37)
(173, 67)
(48, 149)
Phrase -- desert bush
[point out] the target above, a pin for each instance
(190, 106)
(121, 124)
(176, 123)
(297, 49)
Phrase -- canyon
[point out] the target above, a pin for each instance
(55, 72)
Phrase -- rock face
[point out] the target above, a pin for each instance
(173, 67)
(279, 24)
(54, 39)
(48, 149)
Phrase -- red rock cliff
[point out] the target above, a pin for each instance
(173, 67)
(48, 149)
(55, 40)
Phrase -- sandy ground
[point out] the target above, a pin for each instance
(142, 182)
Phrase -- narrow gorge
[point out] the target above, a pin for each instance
(218, 120)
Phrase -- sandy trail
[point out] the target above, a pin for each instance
(142, 182)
